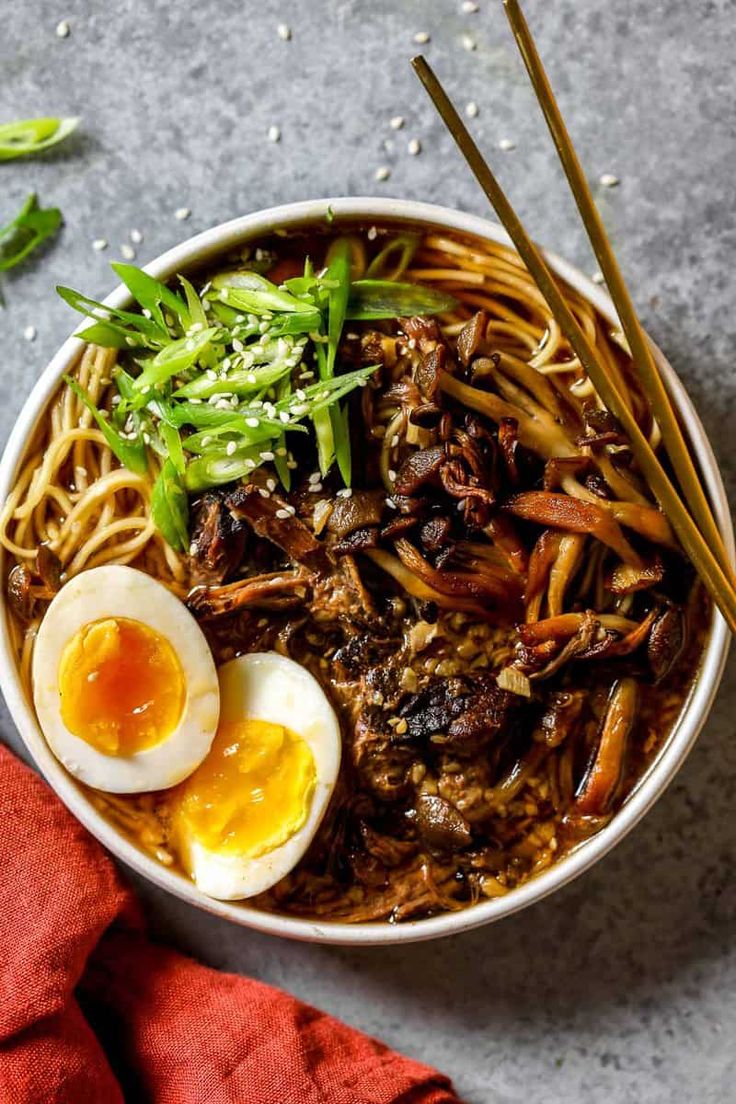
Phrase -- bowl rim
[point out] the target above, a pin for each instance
(649, 788)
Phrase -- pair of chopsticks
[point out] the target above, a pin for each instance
(696, 528)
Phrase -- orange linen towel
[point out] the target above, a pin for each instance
(92, 1012)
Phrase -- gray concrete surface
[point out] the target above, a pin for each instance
(622, 988)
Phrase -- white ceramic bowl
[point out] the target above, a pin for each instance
(661, 772)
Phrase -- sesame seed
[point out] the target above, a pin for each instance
(506, 144)
(99, 244)
(282, 514)
(382, 173)
(598, 278)
(301, 395)
(250, 464)
(127, 252)
(253, 423)
(394, 440)
(231, 447)
(29, 333)
(238, 345)
(396, 122)
(284, 417)
(136, 237)
(469, 42)
(608, 180)
(116, 399)
(264, 493)
(472, 109)
(299, 409)
(63, 29)
(193, 548)
(284, 32)
(314, 477)
(147, 438)
(274, 134)
(392, 475)
(206, 440)
(182, 213)
(267, 456)
(346, 492)
(271, 484)
(414, 147)
(372, 233)
(391, 504)
(421, 38)
(468, 7)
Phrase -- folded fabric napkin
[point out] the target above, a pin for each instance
(92, 1012)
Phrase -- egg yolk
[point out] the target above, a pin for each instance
(252, 792)
(121, 685)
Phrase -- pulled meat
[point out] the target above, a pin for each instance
(271, 517)
(217, 541)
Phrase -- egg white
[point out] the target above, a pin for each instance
(115, 591)
(266, 686)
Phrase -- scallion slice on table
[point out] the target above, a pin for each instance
(29, 229)
(25, 137)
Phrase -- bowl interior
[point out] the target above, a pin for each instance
(197, 251)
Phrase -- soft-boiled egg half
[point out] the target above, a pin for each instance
(246, 816)
(124, 683)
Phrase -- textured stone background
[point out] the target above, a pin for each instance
(622, 987)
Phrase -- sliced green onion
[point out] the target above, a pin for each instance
(131, 454)
(125, 323)
(172, 440)
(28, 136)
(252, 292)
(151, 294)
(374, 299)
(175, 358)
(170, 507)
(213, 471)
(405, 245)
(30, 227)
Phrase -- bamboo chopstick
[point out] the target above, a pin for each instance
(651, 381)
(718, 584)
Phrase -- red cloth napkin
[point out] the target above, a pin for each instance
(92, 1012)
